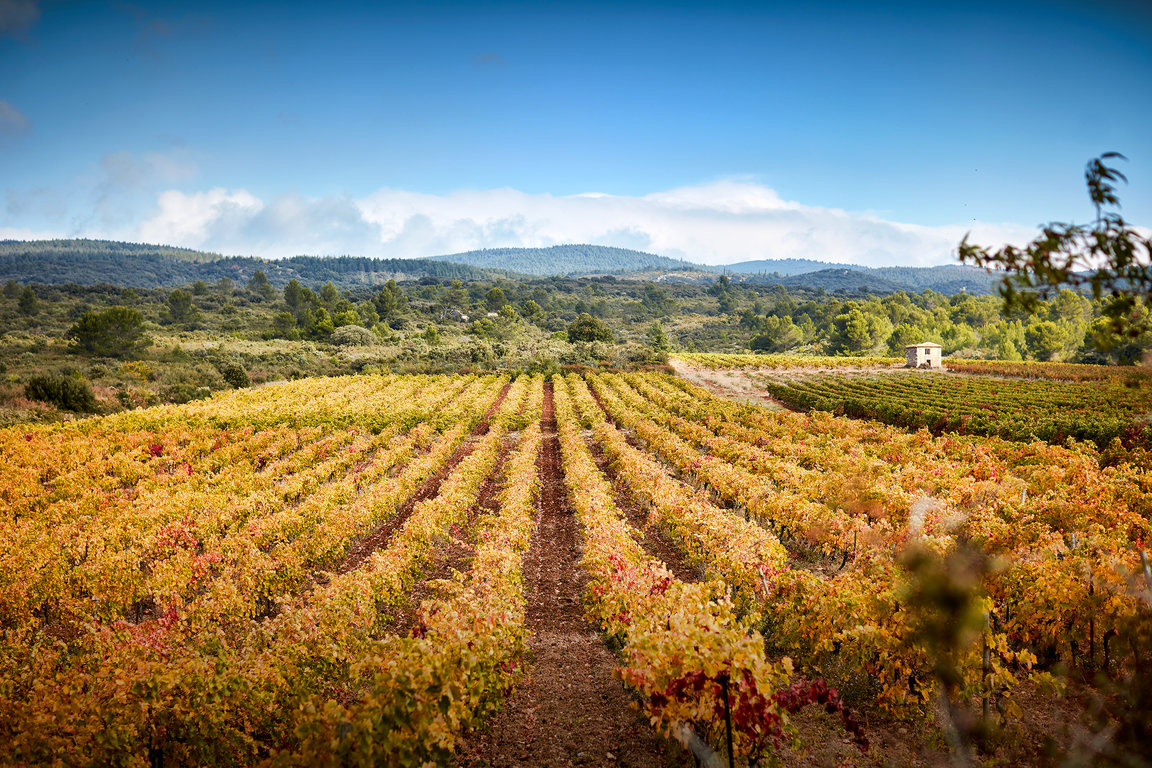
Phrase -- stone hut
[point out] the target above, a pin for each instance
(924, 355)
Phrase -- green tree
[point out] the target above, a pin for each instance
(728, 303)
(726, 299)
(495, 298)
(11, 289)
(225, 286)
(656, 299)
(259, 285)
(297, 296)
(1010, 341)
(389, 300)
(29, 303)
(973, 312)
(329, 294)
(199, 288)
(1044, 339)
(588, 328)
(456, 296)
(901, 336)
(532, 312)
(1108, 257)
(318, 323)
(368, 314)
(657, 339)
(181, 309)
(345, 314)
(114, 332)
(233, 372)
(284, 326)
(850, 332)
(776, 334)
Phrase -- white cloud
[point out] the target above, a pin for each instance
(27, 233)
(191, 218)
(715, 223)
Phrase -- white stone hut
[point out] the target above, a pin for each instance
(924, 355)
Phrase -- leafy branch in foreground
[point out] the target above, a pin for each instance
(1109, 256)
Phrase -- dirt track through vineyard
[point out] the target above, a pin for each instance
(428, 489)
(653, 540)
(458, 550)
(570, 710)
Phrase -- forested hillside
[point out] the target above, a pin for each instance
(947, 279)
(784, 267)
(568, 260)
(90, 262)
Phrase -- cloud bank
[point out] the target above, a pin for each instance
(13, 122)
(18, 16)
(715, 223)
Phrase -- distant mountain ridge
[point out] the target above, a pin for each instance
(579, 259)
(136, 265)
(946, 279)
(782, 267)
(150, 266)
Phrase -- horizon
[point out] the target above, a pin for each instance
(447, 256)
(870, 135)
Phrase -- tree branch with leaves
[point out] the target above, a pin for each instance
(1108, 257)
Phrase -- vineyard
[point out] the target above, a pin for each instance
(784, 362)
(1056, 371)
(333, 571)
(1099, 410)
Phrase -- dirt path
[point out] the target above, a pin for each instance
(570, 710)
(734, 384)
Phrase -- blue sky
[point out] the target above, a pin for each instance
(869, 133)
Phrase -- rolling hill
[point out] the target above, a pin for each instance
(149, 266)
(568, 260)
(89, 262)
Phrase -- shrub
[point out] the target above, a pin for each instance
(588, 328)
(137, 369)
(233, 373)
(115, 332)
(353, 336)
(185, 393)
(66, 392)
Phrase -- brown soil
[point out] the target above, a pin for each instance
(654, 541)
(428, 489)
(1047, 734)
(734, 384)
(456, 552)
(569, 710)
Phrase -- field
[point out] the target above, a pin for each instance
(785, 362)
(409, 570)
(1111, 406)
(1015, 409)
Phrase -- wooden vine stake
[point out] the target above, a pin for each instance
(986, 663)
(727, 719)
